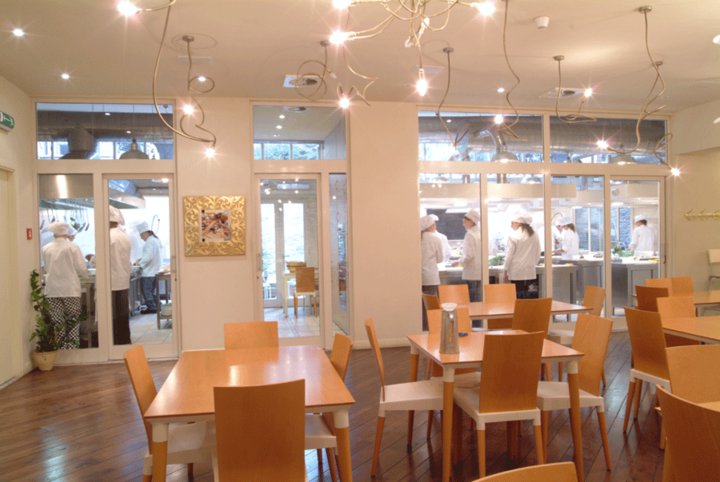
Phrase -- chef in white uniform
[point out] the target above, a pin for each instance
(120, 269)
(569, 240)
(150, 263)
(431, 254)
(447, 250)
(523, 254)
(643, 237)
(64, 266)
(471, 261)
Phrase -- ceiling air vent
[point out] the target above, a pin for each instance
(292, 81)
(565, 92)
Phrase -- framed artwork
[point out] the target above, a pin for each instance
(214, 225)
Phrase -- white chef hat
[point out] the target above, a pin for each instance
(426, 222)
(116, 216)
(565, 220)
(142, 227)
(58, 229)
(523, 218)
(71, 231)
(640, 217)
(473, 216)
(435, 218)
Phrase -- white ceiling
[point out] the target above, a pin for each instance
(249, 45)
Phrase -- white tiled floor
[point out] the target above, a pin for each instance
(143, 329)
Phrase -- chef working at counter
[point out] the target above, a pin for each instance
(150, 263)
(120, 269)
(523, 254)
(64, 266)
(432, 253)
(569, 240)
(471, 261)
(447, 250)
(643, 237)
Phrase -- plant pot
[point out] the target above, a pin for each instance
(44, 360)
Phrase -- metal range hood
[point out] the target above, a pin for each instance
(59, 191)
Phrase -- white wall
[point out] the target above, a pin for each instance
(384, 219)
(17, 155)
(693, 129)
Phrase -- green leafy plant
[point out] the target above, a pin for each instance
(45, 336)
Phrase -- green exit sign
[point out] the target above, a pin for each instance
(7, 121)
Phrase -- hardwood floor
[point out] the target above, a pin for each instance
(81, 423)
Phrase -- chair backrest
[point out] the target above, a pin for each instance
(304, 280)
(592, 335)
(511, 363)
(559, 472)
(463, 320)
(595, 299)
(142, 383)
(676, 307)
(431, 302)
(260, 432)
(459, 294)
(499, 292)
(372, 337)
(682, 286)
(713, 256)
(660, 283)
(251, 334)
(693, 438)
(532, 315)
(648, 342)
(694, 373)
(340, 354)
(647, 296)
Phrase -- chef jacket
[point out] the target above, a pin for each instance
(643, 239)
(64, 264)
(151, 259)
(523, 253)
(471, 261)
(569, 243)
(120, 266)
(432, 253)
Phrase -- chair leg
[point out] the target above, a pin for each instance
(604, 437)
(663, 437)
(548, 371)
(431, 417)
(457, 434)
(539, 445)
(481, 452)
(295, 305)
(190, 471)
(638, 395)
(628, 404)
(411, 423)
(319, 457)
(376, 450)
(545, 424)
(603, 378)
(560, 371)
(330, 453)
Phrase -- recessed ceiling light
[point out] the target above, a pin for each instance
(500, 90)
(716, 39)
(281, 116)
(449, 121)
(107, 113)
(18, 32)
(128, 132)
(278, 127)
(127, 8)
(65, 76)
(201, 78)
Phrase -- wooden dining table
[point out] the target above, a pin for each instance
(187, 394)
(705, 329)
(483, 310)
(471, 355)
(702, 298)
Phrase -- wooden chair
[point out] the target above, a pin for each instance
(508, 387)
(420, 395)
(693, 439)
(694, 373)
(713, 259)
(458, 294)
(431, 302)
(592, 335)
(560, 472)
(251, 334)
(649, 359)
(647, 296)
(319, 428)
(305, 286)
(495, 293)
(187, 443)
(660, 283)
(532, 315)
(676, 307)
(682, 286)
(260, 432)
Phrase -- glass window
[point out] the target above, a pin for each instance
(296, 132)
(583, 142)
(103, 131)
(466, 136)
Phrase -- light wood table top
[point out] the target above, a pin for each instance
(706, 297)
(504, 309)
(711, 405)
(188, 391)
(701, 328)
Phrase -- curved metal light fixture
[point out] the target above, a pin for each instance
(577, 117)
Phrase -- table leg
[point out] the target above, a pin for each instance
(414, 361)
(159, 451)
(342, 433)
(447, 421)
(285, 294)
(572, 376)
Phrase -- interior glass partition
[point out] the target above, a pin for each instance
(578, 235)
(339, 256)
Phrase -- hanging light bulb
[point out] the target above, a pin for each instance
(422, 84)
(485, 8)
(498, 119)
(675, 171)
(587, 93)
(127, 8)
(188, 109)
(602, 144)
(338, 37)
(341, 4)
(210, 152)
(344, 102)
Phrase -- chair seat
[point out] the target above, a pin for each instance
(421, 395)
(564, 337)
(647, 377)
(555, 396)
(317, 433)
(187, 443)
(468, 399)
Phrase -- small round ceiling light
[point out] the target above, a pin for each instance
(716, 39)
(501, 90)
(18, 32)
(65, 76)
(278, 127)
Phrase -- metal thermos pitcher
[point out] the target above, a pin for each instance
(449, 330)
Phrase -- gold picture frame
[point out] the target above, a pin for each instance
(214, 225)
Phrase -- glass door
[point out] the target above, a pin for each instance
(142, 298)
(339, 256)
(289, 269)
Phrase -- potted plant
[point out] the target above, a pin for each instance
(46, 340)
